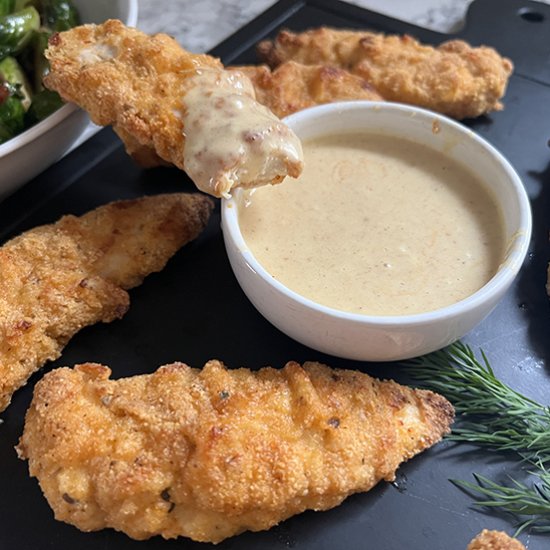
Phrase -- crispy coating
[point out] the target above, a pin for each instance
(141, 85)
(494, 540)
(58, 278)
(454, 78)
(128, 79)
(292, 86)
(210, 453)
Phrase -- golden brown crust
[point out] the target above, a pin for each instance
(292, 86)
(138, 87)
(144, 156)
(454, 78)
(58, 278)
(210, 453)
(494, 540)
(141, 85)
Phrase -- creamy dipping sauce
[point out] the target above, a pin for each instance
(376, 225)
(230, 139)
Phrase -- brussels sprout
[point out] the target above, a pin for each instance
(59, 15)
(37, 64)
(16, 30)
(12, 116)
(6, 6)
(5, 134)
(25, 27)
(43, 104)
(12, 74)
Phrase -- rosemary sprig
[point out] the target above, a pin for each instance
(493, 415)
(529, 505)
(489, 413)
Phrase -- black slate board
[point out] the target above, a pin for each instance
(194, 310)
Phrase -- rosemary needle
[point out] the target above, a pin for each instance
(529, 505)
(489, 413)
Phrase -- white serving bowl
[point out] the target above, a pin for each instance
(387, 338)
(29, 153)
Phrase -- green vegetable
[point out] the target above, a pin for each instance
(490, 413)
(44, 103)
(5, 134)
(25, 27)
(40, 65)
(12, 74)
(529, 505)
(12, 114)
(59, 15)
(12, 109)
(20, 4)
(6, 6)
(493, 415)
(16, 30)
(12, 117)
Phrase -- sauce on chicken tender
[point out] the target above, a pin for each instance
(169, 105)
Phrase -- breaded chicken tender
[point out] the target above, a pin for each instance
(166, 103)
(210, 453)
(58, 278)
(494, 540)
(292, 86)
(453, 78)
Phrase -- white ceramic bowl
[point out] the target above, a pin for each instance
(387, 338)
(29, 153)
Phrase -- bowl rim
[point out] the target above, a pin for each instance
(22, 139)
(25, 137)
(500, 281)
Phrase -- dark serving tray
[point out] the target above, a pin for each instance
(194, 310)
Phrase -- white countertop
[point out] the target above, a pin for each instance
(201, 24)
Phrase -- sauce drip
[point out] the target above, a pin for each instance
(230, 139)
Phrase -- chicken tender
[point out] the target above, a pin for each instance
(166, 103)
(58, 278)
(210, 453)
(494, 540)
(454, 78)
(292, 86)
